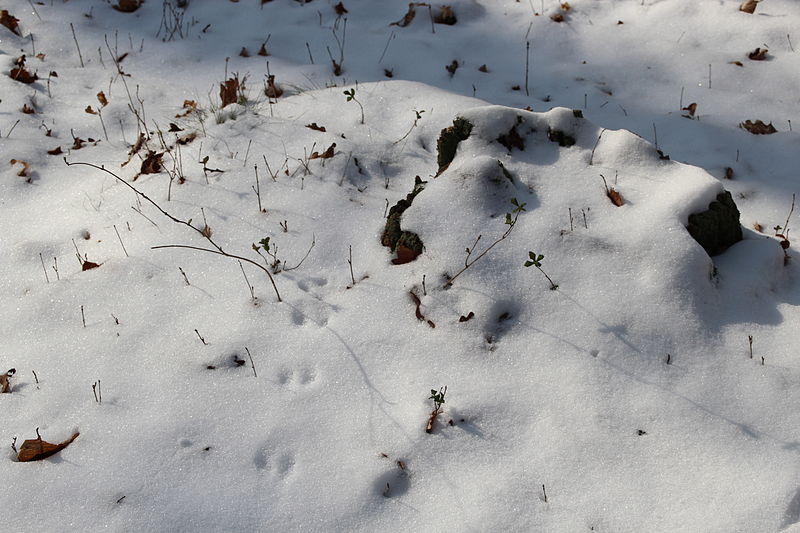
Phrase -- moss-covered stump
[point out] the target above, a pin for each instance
(406, 244)
(448, 142)
(718, 228)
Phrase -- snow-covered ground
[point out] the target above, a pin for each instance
(624, 400)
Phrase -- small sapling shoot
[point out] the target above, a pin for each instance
(536, 260)
(438, 400)
(351, 95)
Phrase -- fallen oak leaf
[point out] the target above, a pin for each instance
(10, 22)
(37, 449)
(615, 197)
(758, 127)
(314, 127)
(229, 90)
(759, 54)
(55, 151)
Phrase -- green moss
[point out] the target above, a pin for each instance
(558, 136)
(448, 141)
(717, 228)
(393, 235)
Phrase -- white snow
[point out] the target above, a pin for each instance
(565, 393)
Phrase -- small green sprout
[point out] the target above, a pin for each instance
(271, 251)
(351, 96)
(536, 260)
(438, 401)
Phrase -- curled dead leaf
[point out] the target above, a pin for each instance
(758, 227)
(327, 154)
(229, 91)
(615, 197)
(28, 110)
(340, 9)
(90, 110)
(186, 139)
(37, 449)
(243, 52)
(23, 172)
(557, 17)
(691, 109)
(20, 74)
(272, 90)
(759, 54)
(314, 127)
(749, 6)
(189, 106)
(729, 173)
(151, 163)
(101, 97)
(5, 383)
(409, 16)
(737, 63)
(446, 15)
(55, 151)
(174, 127)
(206, 231)
(758, 127)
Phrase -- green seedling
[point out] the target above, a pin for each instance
(351, 95)
(438, 400)
(536, 260)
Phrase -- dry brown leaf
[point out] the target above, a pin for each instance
(340, 9)
(90, 110)
(557, 17)
(408, 17)
(327, 154)
(758, 227)
(55, 151)
(28, 110)
(229, 91)
(483, 68)
(263, 50)
(691, 108)
(5, 384)
(729, 173)
(174, 127)
(10, 22)
(127, 6)
(758, 127)
(404, 255)
(615, 197)
(77, 143)
(101, 97)
(23, 172)
(737, 63)
(445, 16)
(40, 56)
(759, 54)
(337, 68)
(186, 139)
(189, 106)
(37, 449)
(151, 163)
(314, 127)
(749, 6)
(272, 90)
(88, 265)
(23, 76)
(243, 52)
(565, 6)
(206, 232)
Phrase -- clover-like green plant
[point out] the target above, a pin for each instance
(438, 400)
(351, 96)
(536, 260)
